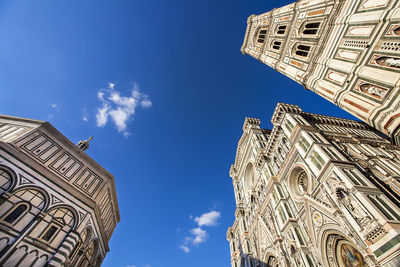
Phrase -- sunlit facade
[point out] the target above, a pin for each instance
(315, 191)
(58, 207)
(345, 51)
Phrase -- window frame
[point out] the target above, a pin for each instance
(56, 225)
(278, 29)
(304, 28)
(15, 206)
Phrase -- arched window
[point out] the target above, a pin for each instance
(32, 196)
(61, 217)
(249, 177)
(89, 254)
(302, 50)
(276, 45)
(311, 28)
(271, 262)
(23, 203)
(16, 213)
(281, 29)
(86, 235)
(261, 36)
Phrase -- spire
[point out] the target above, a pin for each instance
(83, 145)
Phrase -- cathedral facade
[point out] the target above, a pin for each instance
(58, 207)
(347, 51)
(315, 191)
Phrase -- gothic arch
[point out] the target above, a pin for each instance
(270, 260)
(249, 177)
(337, 248)
(269, 252)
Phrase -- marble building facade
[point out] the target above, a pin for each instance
(315, 191)
(347, 51)
(58, 207)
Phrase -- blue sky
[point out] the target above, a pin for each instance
(164, 88)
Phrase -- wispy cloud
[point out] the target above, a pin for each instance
(198, 234)
(208, 219)
(85, 115)
(119, 108)
(185, 248)
(55, 106)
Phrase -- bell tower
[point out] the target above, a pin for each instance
(347, 51)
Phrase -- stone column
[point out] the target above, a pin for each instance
(64, 250)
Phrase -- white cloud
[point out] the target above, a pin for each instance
(102, 116)
(119, 108)
(131, 266)
(200, 235)
(55, 106)
(85, 115)
(208, 219)
(146, 103)
(185, 248)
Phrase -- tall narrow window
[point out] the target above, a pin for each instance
(16, 213)
(388, 207)
(299, 236)
(281, 29)
(302, 50)
(49, 233)
(311, 28)
(261, 36)
(379, 206)
(276, 45)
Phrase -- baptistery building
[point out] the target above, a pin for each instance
(315, 191)
(347, 51)
(58, 207)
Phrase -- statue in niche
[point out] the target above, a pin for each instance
(393, 62)
(345, 198)
(372, 90)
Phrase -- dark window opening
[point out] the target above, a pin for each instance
(15, 214)
(311, 28)
(302, 50)
(261, 36)
(276, 45)
(281, 29)
(50, 232)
